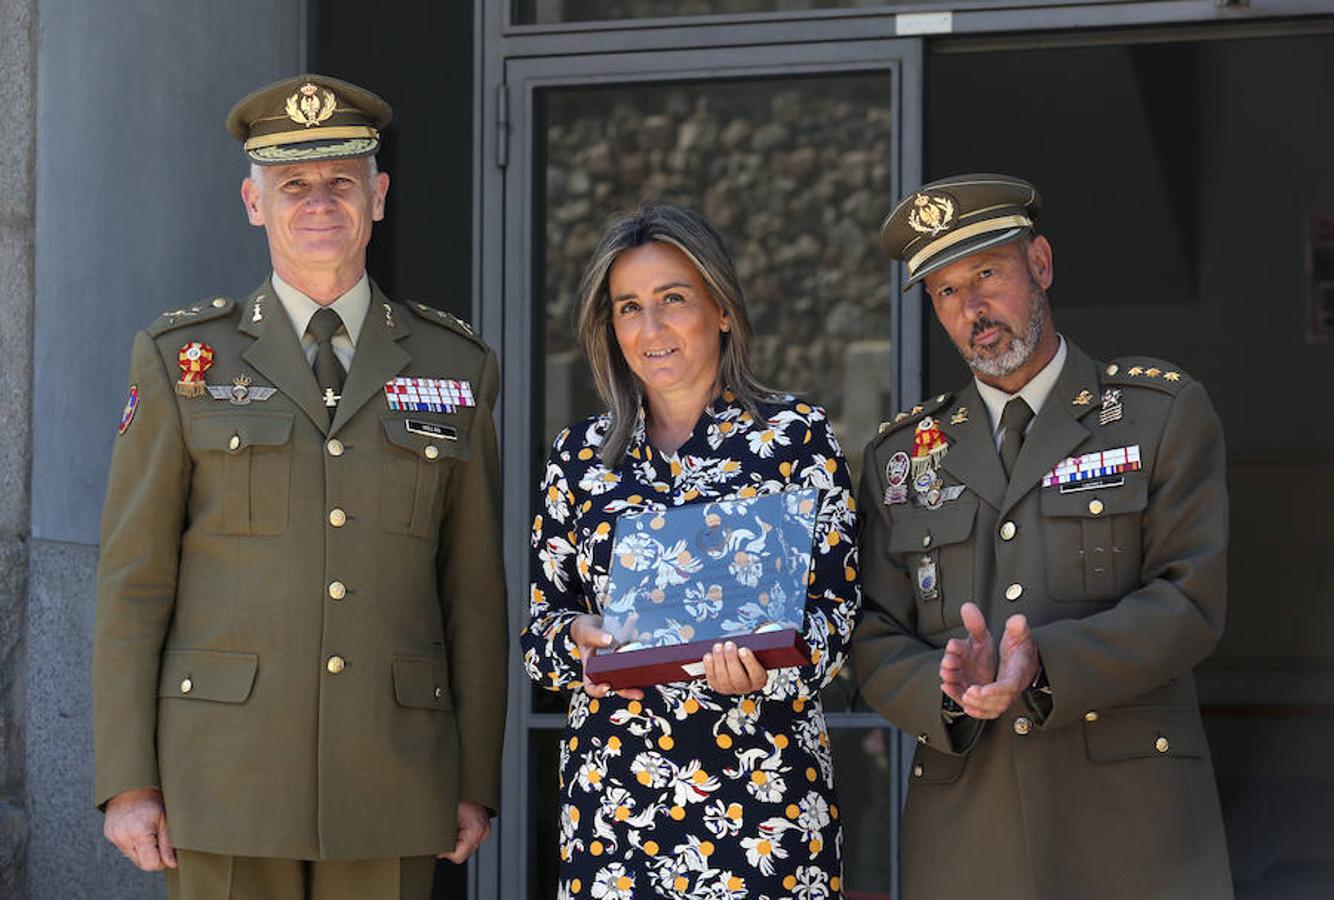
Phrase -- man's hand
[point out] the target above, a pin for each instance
(732, 671)
(968, 661)
(969, 676)
(587, 632)
(474, 827)
(136, 822)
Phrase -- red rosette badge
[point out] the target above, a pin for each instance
(194, 359)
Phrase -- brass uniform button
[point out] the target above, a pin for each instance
(940, 399)
(1161, 745)
(1023, 725)
(1091, 716)
(926, 540)
(1014, 592)
(219, 303)
(1007, 531)
(1096, 507)
(1113, 369)
(336, 664)
(234, 443)
(917, 770)
(439, 694)
(337, 590)
(431, 451)
(335, 447)
(337, 518)
(187, 685)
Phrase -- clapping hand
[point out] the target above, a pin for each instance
(970, 675)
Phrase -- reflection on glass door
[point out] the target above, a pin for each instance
(797, 173)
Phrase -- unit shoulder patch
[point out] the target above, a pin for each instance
(447, 320)
(911, 416)
(1145, 371)
(203, 311)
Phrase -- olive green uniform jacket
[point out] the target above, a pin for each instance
(300, 631)
(1104, 787)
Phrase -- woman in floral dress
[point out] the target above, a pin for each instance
(721, 787)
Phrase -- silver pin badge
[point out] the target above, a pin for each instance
(1111, 406)
(928, 584)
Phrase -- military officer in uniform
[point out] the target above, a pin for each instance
(300, 658)
(1043, 564)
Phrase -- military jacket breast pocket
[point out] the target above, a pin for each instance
(1093, 540)
(421, 450)
(245, 458)
(935, 547)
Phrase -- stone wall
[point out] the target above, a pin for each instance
(796, 174)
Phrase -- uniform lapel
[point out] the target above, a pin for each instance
(972, 457)
(377, 359)
(277, 355)
(1057, 430)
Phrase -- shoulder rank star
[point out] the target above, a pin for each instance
(240, 393)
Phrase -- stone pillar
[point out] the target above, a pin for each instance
(18, 72)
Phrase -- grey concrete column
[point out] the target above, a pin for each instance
(134, 190)
(18, 74)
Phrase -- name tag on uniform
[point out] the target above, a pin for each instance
(432, 429)
(439, 395)
(1098, 469)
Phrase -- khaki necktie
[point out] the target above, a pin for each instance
(1014, 419)
(328, 370)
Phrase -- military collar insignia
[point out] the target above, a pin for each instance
(1083, 398)
(960, 416)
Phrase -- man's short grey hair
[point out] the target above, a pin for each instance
(256, 170)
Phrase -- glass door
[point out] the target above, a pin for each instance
(795, 152)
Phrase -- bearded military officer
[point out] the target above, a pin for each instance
(299, 668)
(1043, 564)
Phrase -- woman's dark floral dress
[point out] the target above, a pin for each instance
(690, 793)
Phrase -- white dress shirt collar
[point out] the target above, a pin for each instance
(1035, 393)
(351, 307)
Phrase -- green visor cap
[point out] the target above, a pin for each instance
(310, 117)
(946, 220)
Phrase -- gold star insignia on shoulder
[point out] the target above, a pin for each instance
(916, 409)
(884, 426)
(1153, 372)
(1136, 370)
(1084, 398)
(900, 417)
(1172, 376)
(959, 417)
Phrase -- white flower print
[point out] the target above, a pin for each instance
(613, 883)
(761, 852)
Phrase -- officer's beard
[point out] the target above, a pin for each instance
(1021, 348)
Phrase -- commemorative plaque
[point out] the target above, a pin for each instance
(685, 578)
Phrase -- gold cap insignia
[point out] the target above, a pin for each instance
(931, 214)
(310, 106)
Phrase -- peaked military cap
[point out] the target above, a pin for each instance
(946, 220)
(310, 117)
